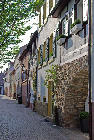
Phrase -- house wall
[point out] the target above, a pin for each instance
(17, 78)
(72, 58)
(6, 84)
(72, 91)
(25, 61)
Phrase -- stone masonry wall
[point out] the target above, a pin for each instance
(72, 91)
(41, 108)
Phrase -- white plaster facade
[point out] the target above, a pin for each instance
(75, 47)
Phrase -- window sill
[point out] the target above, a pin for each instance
(44, 64)
(24, 81)
(51, 60)
(39, 67)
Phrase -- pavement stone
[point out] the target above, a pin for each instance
(19, 123)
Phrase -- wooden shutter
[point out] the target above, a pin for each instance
(40, 19)
(51, 45)
(41, 15)
(44, 11)
(44, 47)
(50, 4)
(69, 26)
(41, 54)
(47, 50)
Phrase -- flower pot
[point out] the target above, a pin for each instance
(61, 41)
(84, 125)
(76, 28)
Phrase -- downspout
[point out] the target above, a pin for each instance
(89, 67)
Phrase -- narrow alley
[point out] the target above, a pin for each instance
(19, 123)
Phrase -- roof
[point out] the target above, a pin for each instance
(59, 7)
(28, 47)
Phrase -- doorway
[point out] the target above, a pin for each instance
(50, 98)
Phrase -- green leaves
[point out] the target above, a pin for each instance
(14, 14)
(51, 75)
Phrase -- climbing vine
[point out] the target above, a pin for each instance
(51, 75)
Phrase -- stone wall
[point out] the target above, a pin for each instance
(41, 108)
(72, 91)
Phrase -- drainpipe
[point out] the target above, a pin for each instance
(91, 67)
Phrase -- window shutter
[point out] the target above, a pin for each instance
(66, 28)
(69, 26)
(41, 15)
(54, 44)
(44, 11)
(41, 54)
(60, 28)
(50, 4)
(40, 19)
(85, 10)
(47, 50)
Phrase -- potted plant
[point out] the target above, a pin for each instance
(76, 26)
(61, 39)
(84, 121)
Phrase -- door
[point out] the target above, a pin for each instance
(50, 104)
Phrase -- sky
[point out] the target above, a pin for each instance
(25, 38)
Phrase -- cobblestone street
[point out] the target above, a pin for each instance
(20, 123)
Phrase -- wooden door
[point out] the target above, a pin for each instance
(49, 99)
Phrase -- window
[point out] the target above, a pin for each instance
(38, 97)
(44, 99)
(47, 50)
(47, 8)
(42, 15)
(24, 76)
(85, 10)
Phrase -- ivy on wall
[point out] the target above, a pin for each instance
(51, 75)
